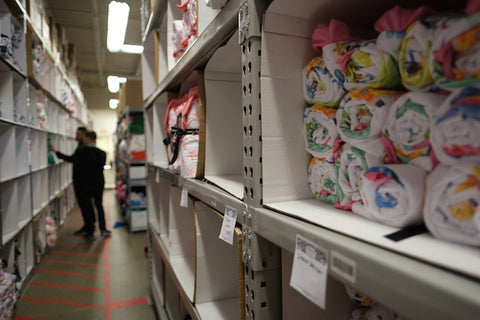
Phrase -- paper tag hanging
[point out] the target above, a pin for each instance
(309, 271)
(228, 225)
(184, 197)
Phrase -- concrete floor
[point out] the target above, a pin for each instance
(101, 279)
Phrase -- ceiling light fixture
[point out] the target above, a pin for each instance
(113, 83)
(113, 104)
(131, 48)
(117, 25)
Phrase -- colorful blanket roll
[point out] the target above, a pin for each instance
(455, 132)
(455, 58)
(415, 51)
(320, 131)
(351, 163)
(321, 180)
(393, 194)
(362, 114)
(452, 202)
(365, 66)
(319, 85)
(407, 129)
(392, 24)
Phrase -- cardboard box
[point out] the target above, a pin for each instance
(224, 119)
(130, 95)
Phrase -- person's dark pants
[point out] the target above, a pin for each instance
(86, 206)
(78, 195)
(98, 199)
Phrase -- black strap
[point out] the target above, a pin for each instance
(173, 140)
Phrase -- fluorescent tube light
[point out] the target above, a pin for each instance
(117, 25)
(113, 104)
(131, 48)
(113, 83)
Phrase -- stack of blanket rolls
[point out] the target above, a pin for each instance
(393, 123)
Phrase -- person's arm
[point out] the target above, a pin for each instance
(62, 155)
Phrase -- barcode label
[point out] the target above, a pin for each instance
(343, 266)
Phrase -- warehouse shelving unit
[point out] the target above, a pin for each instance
(34, 112)
(256, 49)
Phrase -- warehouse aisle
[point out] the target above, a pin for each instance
(100, 279)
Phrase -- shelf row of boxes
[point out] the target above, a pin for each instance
(186, 235)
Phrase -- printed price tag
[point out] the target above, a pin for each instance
(343, 266)
(309, 271)
(228, 225)
(184, 197)
(157, 176)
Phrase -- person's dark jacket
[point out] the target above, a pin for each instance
(88, 162)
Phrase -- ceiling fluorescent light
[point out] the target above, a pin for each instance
(117, 25)
(113, 83)
(113, 104)
(131, 48)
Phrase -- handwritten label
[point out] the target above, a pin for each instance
(309, 271)
(228, 225)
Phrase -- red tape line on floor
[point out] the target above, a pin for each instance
(80, 254)
(68, 303)
(129, 303)
(62, 286)
(74, 262)
(75, 274)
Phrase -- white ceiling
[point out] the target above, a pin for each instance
(85, 22)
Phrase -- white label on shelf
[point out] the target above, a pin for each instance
(184, 197)
(309, 271)
(157, 176)
(343, 266)
(228, 225)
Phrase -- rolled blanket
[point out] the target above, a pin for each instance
(321, 180)
(408, 127)
(333, 41)
(365, 66)
(357, 297)
(351, 163)
(452, 202)
(455, 128)
(415, 51)
(392, 24)
(362, 114)
(393, 194)
(319, 86)
(320, 131)
(455, 58)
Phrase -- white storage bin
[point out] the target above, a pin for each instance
(21, 150)
(157, 269)
(289, 25)
(172, 297)
(40, 185)
(6, 92)
(149, 63)
(20, 106)
(181, 244)
(159, 151)
(24, 195)
(9, 203)
(224, 144)
(8, 155)
(137, 172)
(219, 270)
(296, 306)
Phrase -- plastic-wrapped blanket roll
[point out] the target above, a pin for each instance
(319, 85)
(320, 132)
(391, 27)
(407, 129)
(351, 163)
(393, 194)
(182, 121)
(455, 58)
(451, 203)
(455, 128)
(362, 114)
(321, 180)
(415, 51)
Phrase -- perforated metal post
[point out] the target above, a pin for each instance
(262, 263)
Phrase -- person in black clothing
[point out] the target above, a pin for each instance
(79, 135)
(88, 162)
